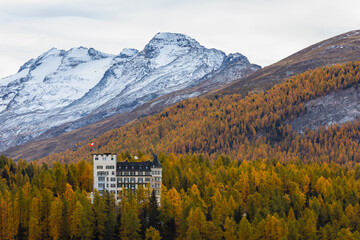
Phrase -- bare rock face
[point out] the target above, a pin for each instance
(335, 108)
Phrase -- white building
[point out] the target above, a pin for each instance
(113, 176)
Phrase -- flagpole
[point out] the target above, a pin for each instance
(92, 144)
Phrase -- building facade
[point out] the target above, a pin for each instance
(113, 176)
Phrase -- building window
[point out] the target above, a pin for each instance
(132, 180)
(147, 179)
(101, 185)
(99, 167)
(110, 167)
(140, 180)
(102, 173)
(112, 185)
(113, 179)
(112, 158)
(96, 158)
(101, 179)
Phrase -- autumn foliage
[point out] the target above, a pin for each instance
(243, 128)
(262, 199)
(232, 169)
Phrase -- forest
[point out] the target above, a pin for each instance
(223, 199)
(233, 168)
(242, 128)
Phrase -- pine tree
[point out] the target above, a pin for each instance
(194, 234)
(153, 211)
(87, 219)
(35, 226)
(152, 234)
(130, 224)
(75, 221)
(99, 216)
(230, 229)
(56, 218)
(110, 224)
(245, 229)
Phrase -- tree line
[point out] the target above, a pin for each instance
(201, 199)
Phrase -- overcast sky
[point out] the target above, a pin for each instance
(263, 30)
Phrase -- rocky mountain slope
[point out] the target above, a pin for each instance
(336, 108)
(339, 49)
(61, 91)
(342, 48)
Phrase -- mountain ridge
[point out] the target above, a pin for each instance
(341, 48)
(57, 88)
(252, 82)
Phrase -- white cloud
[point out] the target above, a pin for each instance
(263, 30)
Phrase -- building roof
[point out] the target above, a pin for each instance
(147, 165)
(156, 163)
(134, 165)
(100, 154)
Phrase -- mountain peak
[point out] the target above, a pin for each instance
(128, 52)
(63, 90)
(167, 38)
(166, 42)
(169, 35)
(51, 52)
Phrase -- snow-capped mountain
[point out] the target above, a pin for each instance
(81, 86)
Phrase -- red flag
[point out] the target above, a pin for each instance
(92, 144)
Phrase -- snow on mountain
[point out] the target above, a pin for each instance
(43, 87)
(81, 86)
